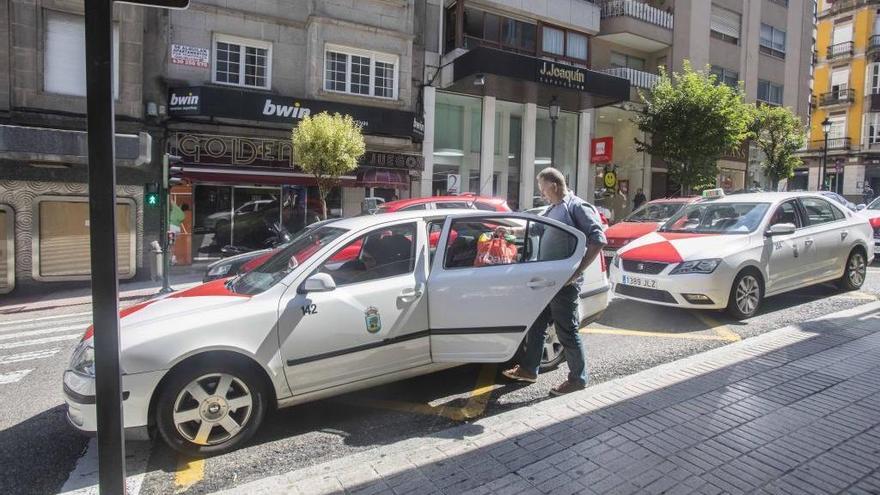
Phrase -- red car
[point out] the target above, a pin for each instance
(466, 201)
(643, 221)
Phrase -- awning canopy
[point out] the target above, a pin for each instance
(382, 177)
(255, 175)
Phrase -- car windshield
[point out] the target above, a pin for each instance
(717, 218)
(284, 261)
(654, 212)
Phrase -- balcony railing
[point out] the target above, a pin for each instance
(837, 143)
(637, 78)
(840, 50)
(637, 10)
(841, 96)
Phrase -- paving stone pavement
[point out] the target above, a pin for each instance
(794, 411)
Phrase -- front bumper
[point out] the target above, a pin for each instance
(79, 395)
(669, 290)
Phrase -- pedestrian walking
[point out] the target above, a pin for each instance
(867, 193)
(639, 199)
(563, 308)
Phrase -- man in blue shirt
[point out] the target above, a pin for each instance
(563, 308)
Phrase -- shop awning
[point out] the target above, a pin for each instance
(251, 176)
(382, 177)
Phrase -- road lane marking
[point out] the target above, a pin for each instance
(717, 327)
(45, 318)
(639, 333)
(83, 480)
(45, 331)
(872, 316)
(12, 377)
(189, 472)
(27, 356)
(46, 340)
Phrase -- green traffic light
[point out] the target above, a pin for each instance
(153, 200)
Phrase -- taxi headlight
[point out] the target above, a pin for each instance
(697, 266)
(219, 270)
(82, 362)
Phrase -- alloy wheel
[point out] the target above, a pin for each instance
(552, 346)
(748, 291)
(212, 409)
(857, 269)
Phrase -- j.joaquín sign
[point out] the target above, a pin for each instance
(562, 75)
(209, 101)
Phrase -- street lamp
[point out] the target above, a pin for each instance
(554, 115)
(826, 128)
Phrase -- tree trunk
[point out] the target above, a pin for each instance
(775, 183)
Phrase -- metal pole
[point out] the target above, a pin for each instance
(824, 163)
(553, 142)
(163, 230)
(102, 235)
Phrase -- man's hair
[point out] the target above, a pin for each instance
(553, 176)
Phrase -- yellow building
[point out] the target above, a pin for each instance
(845, 100)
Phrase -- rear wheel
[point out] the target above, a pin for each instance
(746, 295)
(552, 354)
(855, 271)
(205, 410)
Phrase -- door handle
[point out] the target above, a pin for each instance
(843, 235)
(540, 283)
(808, 243)
(410, 295)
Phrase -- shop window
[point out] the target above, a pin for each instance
(725, 24)
(7, 249)
(242, 62)
(64, 59)
(772, 41)
(725, 76)
(769, 92)
(61, 238)
(485, 28)
(557, 42)
(359, 72)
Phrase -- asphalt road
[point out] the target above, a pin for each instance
(41, 454)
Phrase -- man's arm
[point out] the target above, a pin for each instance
(587, 221)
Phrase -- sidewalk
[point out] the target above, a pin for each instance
(796, 410)
(181, 277)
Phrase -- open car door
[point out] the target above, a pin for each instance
(491, 277)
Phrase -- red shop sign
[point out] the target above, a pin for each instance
(601, 150)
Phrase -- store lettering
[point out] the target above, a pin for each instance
(293, 111)
(570, 77)
(233, 150)
(189, 100)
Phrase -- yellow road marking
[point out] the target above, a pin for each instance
(716, 326)
(640, 333)
(474, 407)
(189, 472)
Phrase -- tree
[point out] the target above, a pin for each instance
(778, 133)
(692, 121)
(327, 146)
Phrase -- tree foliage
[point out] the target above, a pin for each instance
(778, 133)
(327, 146)
(692, 121)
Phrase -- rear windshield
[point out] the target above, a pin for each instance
(717, 218)
(654, 212)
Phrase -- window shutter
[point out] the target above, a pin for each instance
(843, 33)
(64, 70)
(725, 22)
(840, 78)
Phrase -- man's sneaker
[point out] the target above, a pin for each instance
(566, 387)
(519, 374)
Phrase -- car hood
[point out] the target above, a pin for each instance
(673, 247)
(621, 234)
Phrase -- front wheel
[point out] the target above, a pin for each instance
(206, 410)
(855, 271)
(746, 295)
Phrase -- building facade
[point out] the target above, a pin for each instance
(847, 94)
(44, 221)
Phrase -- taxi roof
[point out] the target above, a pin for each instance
(364, 221)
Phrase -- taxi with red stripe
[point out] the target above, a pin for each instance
(646, 219)
(732, 252)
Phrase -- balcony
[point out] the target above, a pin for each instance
(840, 51)
(836, 143)
(636, 25)
(839, 97)
(637, 78)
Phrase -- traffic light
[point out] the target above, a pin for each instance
(151, 195)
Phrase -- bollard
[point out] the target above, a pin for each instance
(157, 265)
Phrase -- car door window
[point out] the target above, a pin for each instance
(786, 213)
(435, 228)
(818, 211)
(505, 241)
(449, 205)
(420, 206)
(382, 253)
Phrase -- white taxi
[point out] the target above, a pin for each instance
(732, 252)
(202, 366)
(872, 213)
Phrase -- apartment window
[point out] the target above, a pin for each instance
(242, 62)
(623, 61)
(838, 126)
(725, 76)
(772, 41)
(64, 60)
(839, 80)
(769, 92)
(872, 128)
(357, 72)
(485, 28)
(872, 79)
(725, 24)
(562, 43)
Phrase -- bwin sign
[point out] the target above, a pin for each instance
(189, 100)
(294, 111)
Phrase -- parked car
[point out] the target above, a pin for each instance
(734, 251)
(204, 365)
(840, 199)
(221, 219)
(463, 201)
(871, 211)
(648, 218)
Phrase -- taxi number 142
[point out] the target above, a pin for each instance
(640, 282)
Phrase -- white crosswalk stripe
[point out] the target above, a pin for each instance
(45, 331)
(6, 378)
(27, 344)
(28, 356)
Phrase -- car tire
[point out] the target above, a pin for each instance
(233, 417)
(553, 354)
(746, 295)
(854, 272)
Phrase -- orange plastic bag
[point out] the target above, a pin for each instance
(494, 251)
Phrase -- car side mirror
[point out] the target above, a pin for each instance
(781, 229)
(319, 282)
(861, 207)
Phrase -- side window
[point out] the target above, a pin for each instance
(838, 214)
(786, 213)
(381, 253)
(505, 241)
(448, 205)
(818, 211)
(484, 206)
(419, 206)
(435, 228)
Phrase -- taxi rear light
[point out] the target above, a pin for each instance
(875, 223)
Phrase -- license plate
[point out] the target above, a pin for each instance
(640, 282)
(607, 253)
